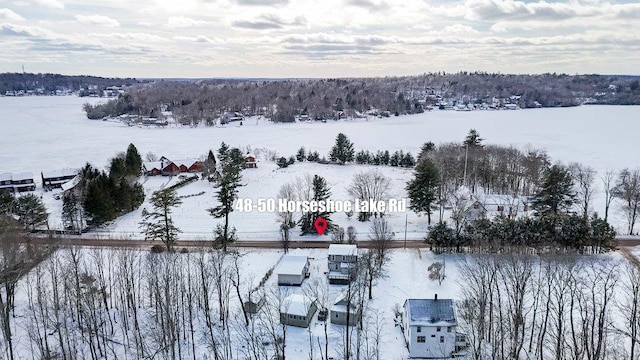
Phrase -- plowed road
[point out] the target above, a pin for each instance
(268, 244)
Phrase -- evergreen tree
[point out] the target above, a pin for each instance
(313, 156)
(222, 151)
(158, 224)
(301, 155)
(473, 139)
(282, 162)
(385, 158)
(423, 189)
(117, 169)
(556, 194)
(31, 211)
(228, 182)
(98, 201)
(342, 151)
(321, 192)
(133, 161)
(426, 149)
(7, 203)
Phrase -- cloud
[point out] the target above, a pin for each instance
(262, 2)
(8, 14)
(369, 4)
(24, 31)
(56, 4)
(184, 22)
(269, 22)
(492, 10)
(99, 20)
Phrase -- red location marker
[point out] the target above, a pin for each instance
(321, 225)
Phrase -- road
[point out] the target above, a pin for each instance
(267, 244)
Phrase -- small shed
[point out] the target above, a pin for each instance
(293, 269)
(297, 310)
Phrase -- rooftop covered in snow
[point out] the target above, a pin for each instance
(343, 250)
(430, 312)
(292, 264)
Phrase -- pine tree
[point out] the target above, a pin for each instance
(301, 155)
(133, 161)
(426, 149)
(321, 192)
(423, 189)
(158, 224)
(473, 139)
(342, 151)
(117, 169)
(556, 194)
(31, 211)
(228, 182)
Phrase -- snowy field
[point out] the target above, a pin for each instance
(49, 133)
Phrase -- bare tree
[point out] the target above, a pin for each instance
(369, 185)
(583, 177)
(286, 218)
(629, 308)
(628, 191)
(608, 184)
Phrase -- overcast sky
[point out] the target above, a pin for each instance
(317, 38)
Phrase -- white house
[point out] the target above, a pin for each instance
(297, 310)
(429, 327)
(342, 262)
(293, 269)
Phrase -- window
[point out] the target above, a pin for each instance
(422, 339)
(433, 336)
(500, 208)
(441, 339)
(438, 328)
(449, 328)
(419, 329)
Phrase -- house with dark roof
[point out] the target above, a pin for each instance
(55, 178)
(429, 328)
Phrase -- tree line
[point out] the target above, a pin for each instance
(203, 101)
(52, 82)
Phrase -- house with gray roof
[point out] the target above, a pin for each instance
(429, 328)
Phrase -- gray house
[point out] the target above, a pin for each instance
(342, 262)
(339, 312)
(297, 310)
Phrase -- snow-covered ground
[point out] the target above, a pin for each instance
(48, 133)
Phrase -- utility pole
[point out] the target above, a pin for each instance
(406, 217)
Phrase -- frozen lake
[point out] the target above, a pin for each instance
(47, 133)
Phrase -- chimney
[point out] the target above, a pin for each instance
(436, 297)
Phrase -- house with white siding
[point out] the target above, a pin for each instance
(429, 328)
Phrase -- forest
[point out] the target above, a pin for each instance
(204, 101)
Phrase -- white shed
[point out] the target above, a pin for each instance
(293, 269)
